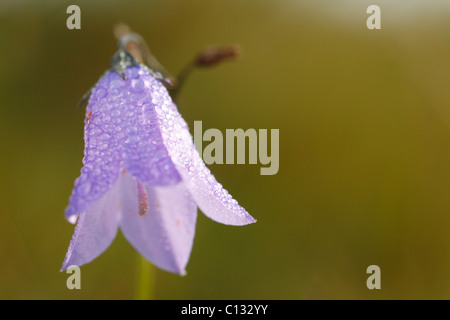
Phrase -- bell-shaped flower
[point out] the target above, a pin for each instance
(143, 174)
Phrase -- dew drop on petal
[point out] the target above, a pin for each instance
(116, 84)
(106, 118)
(132, 73)
(104, 137)
(84, 189)
(101, 93)
(95, 131)
(137, 85)
(115, 113)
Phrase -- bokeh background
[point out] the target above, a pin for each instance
(364, 120)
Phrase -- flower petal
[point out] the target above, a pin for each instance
(145, 155)
(102, 152)
(165, 234)
(211, 197)
(96, 228)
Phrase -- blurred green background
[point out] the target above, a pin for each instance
(364, 120)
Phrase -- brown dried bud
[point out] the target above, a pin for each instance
(213, 55)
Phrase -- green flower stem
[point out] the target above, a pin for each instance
(145, 279)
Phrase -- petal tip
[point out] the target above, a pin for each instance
(72, 218)
(252, 220)
(64, 266)
(248, 220)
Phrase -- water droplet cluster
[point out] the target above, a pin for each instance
(122, 131)
(211, 197)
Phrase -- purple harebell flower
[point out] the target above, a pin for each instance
(141, 173)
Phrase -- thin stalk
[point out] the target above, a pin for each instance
(145, 284)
